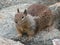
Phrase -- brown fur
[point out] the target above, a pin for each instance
(45, 20)
(45, 14)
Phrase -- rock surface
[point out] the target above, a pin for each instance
(47, 2)
(56, 9)
(7, 3)
(4, 41)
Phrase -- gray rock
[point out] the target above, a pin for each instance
(5, 41)
(7, 3)
(56, 10)
(43, 38)
(47, 2)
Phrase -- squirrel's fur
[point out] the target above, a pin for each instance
(36, 18)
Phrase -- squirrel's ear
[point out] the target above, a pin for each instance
(18, 10)
(25, 12)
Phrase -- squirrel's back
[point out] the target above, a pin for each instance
(45, 14)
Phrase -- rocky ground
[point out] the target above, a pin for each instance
(7, 3)
(7, 25)
(4, 41)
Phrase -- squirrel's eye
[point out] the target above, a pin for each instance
(23, 17)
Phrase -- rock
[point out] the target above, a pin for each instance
(56, 41)
(47, 2)
(56, 9)
(44, 38)
(7, 3)
(5, 41)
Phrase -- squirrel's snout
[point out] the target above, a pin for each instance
(24, 34)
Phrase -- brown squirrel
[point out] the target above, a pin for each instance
(34, 19)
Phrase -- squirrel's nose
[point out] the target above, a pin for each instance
(24, 34)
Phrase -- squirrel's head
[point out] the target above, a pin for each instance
(24, 19)
(20, 17)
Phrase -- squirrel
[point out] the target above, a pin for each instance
(34, 19)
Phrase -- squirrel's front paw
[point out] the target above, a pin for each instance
(19, 35)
